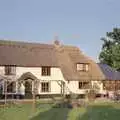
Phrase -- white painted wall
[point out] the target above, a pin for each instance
(73, 86)
(56, 74)
(2, 71)
(100, 85)
(54, 88)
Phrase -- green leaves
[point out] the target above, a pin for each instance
(110, 53)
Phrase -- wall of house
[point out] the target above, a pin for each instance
(2, 73)
(56, 75)
(73, 86)
(99, 84)
(54, 88)
(2, 70)
(36, 71)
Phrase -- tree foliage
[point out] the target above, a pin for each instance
(110, 53)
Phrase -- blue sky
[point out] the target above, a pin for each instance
(40, 20)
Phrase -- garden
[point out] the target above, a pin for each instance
(52, 111)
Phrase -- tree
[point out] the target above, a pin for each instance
(110, 53)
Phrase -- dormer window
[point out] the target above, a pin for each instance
(82, 67)
(10, 70)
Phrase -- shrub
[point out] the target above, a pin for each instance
(91, 95)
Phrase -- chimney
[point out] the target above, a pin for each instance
(56, 41)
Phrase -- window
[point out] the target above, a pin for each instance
(83, 85)
(45, 87)
(1, 89)
(46, 71)
(80, 85)
(86, 67)
(82, 67)
(105, 85)
(11, 87)
(10, 70)
(118, 85)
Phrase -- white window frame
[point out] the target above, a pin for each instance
(48, 87)
(83, 67)
(10, 70)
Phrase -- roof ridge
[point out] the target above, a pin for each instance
(23, 42)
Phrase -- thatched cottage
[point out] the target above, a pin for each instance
(49, 69)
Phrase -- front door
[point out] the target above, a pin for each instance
(28, 89)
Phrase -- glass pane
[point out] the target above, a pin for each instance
(80, 67)
(86, 67)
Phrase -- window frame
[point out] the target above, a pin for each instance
(46, 71)
(10, 70)
(45, 87)
(85, 67)
(11, 86)
(84, 85)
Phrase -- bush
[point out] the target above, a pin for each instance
(73, 96)
(91, 95)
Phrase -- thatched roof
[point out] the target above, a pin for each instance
(69, 56)
(36, 55)
(26, 54)
(110, 73)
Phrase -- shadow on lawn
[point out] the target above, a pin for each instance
(53, 114)
(93, 112)
(101, 112)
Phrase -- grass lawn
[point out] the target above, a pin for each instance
(103, 111)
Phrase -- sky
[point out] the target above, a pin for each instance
(76, 22)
